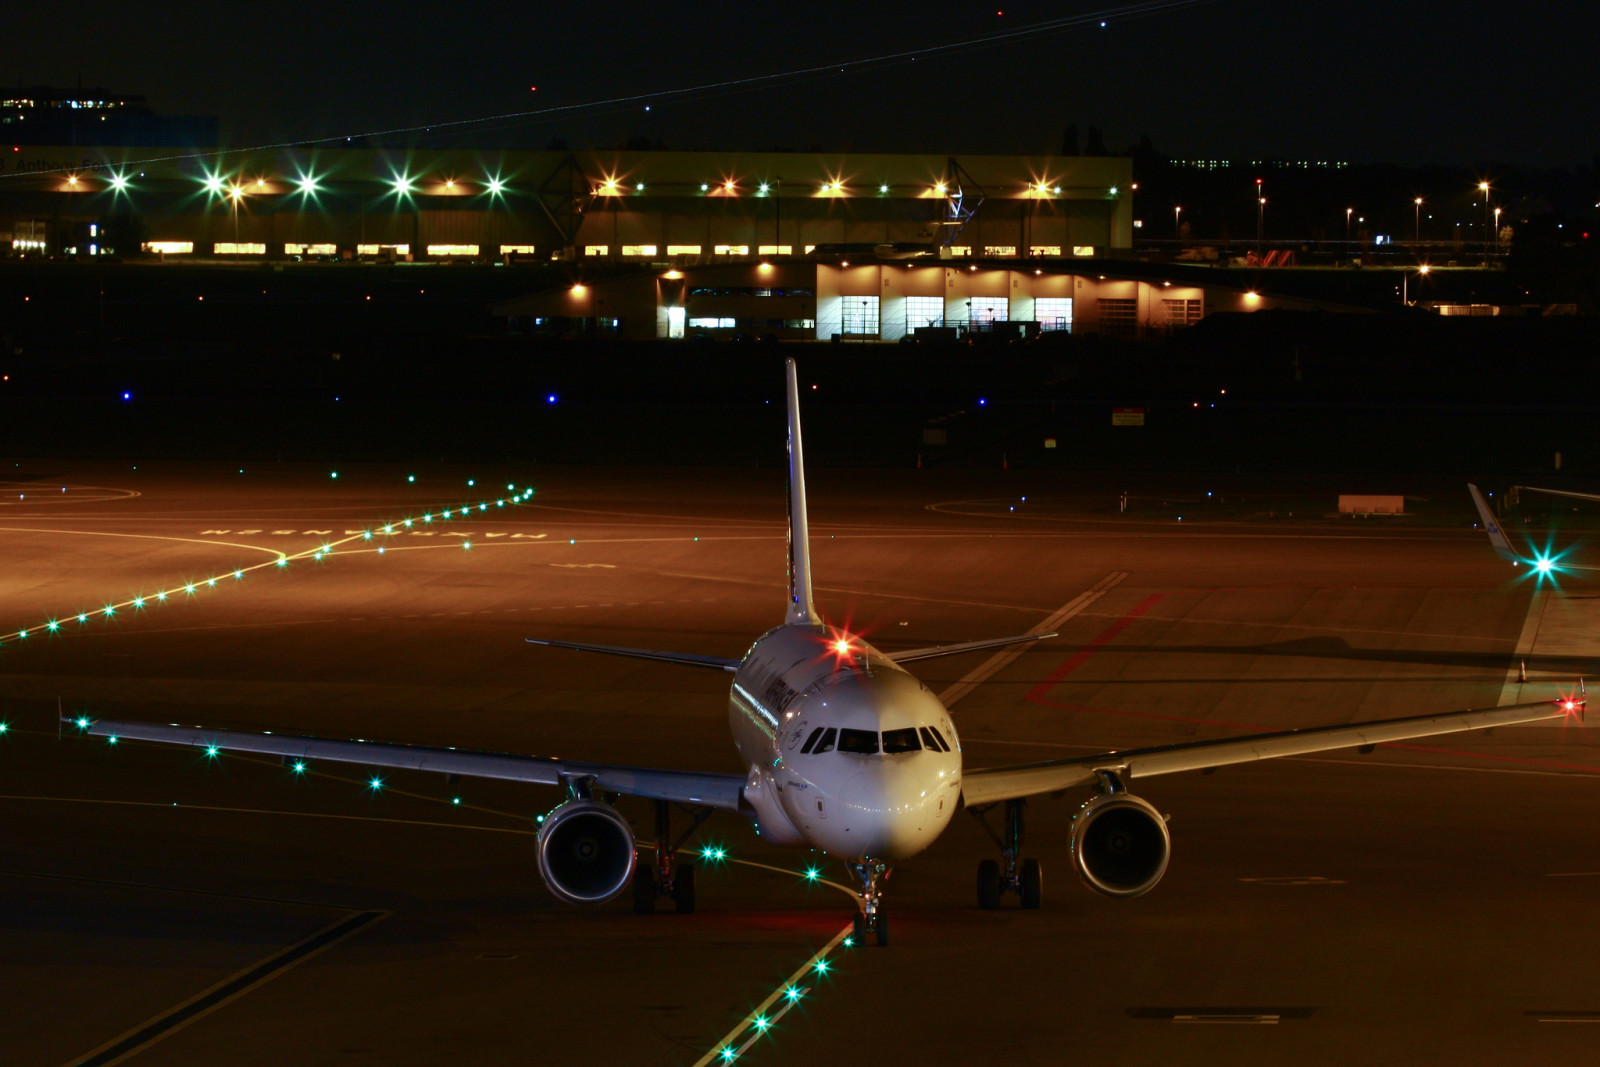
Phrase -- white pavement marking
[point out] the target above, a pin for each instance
(748, 1022)
(1556, 626)
(1511, 692)
(991, 666)
(169, 1022)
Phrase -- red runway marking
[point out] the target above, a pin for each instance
(1079, 658)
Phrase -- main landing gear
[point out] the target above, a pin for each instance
(666, 877)
(1023, 878)
(870, 921)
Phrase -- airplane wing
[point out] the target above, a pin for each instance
(716, 663)
(911, 655)
(1054, 776)
(683, 787)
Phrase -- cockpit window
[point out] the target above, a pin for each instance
(826, 744)
(900, 740)
(864, 742)
(932, 739)
(811, 741)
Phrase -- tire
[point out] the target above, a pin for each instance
(644, 889)
(858, 929)
(882, 929)
(988, 885)
(1032, 884)
(683, 888)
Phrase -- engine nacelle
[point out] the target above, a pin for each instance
(586, 852)
(1120, 845)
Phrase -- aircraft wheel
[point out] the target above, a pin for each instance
(683, 888)
(644, 889)
(988, 885)
(1032, 884)
(881, 929)
(858, 929)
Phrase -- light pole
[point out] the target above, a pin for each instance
(1261, 207)
(1483, 187)
(1177, 228)
(1497, 230)
(1347, 213)
(1405, 286)
(1416, 224)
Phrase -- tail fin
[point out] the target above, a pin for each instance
(801, 612)
(1497, 536)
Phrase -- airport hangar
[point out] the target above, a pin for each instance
(653, 244)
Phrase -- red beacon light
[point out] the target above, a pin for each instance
(841, 645)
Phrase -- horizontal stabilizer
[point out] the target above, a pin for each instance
(682, 787)
(716, 663)
(911, 655)
(1567, 493)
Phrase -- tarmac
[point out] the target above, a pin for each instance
(1421, 903)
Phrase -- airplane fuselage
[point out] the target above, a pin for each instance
(846, 750)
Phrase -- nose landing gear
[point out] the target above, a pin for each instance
(870, 920)
(1012, 874)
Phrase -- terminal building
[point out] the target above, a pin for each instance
(651, 243)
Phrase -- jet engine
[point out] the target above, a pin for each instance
(1120, 845)
(586, 852)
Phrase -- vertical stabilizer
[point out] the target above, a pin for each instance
(801, 613)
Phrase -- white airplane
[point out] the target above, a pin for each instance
(1543, 563)
(847, 752)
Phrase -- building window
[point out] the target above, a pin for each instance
(1000, 250)
(239, 248)
(452, 250)
(169, 247)
(597, 250)
(775, 250)
(1054, 313)
(731, 250)
(526, 250)
(376, 250)
(638, 250)
(859, 316)
(1182, 312)
(961, 250)
(293, 249)
(1119, 318)
(1044, 250)
(711, 323)
(683, 250)
(988, 310)
(1083, 250)
(924, 311)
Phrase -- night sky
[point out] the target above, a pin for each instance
(1366, 81)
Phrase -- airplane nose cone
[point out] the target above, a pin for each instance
(893, 806)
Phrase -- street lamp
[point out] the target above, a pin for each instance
(1177, 230)
(1347, 213)
(1416, 225)
(1405, 287)
(1483, 187)
(1261, 218)
(1497, 229)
